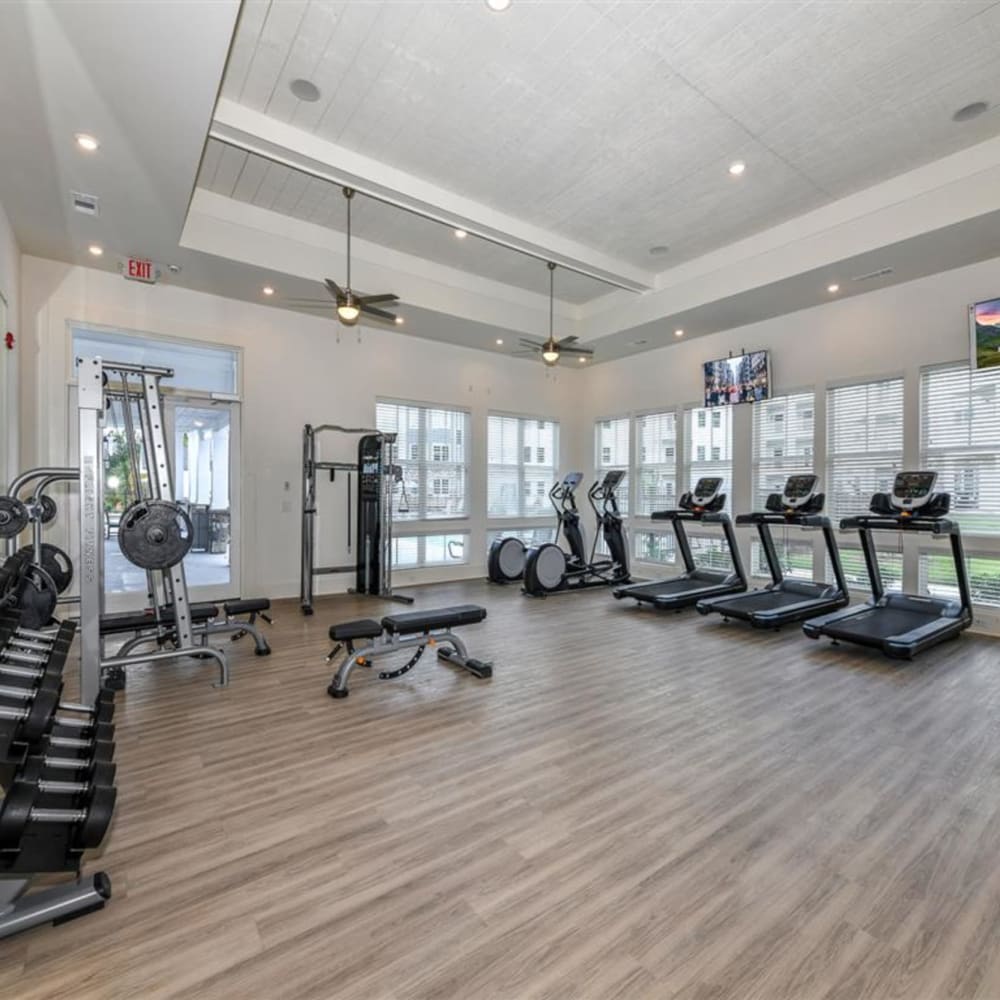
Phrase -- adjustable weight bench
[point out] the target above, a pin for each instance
(412, 630)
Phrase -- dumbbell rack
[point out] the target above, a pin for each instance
(99, 381)
(57, 775)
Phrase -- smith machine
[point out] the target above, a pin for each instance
(377, 474)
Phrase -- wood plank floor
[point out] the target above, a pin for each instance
(637, 805)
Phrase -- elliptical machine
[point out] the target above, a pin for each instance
(549, 569)
(505, 560)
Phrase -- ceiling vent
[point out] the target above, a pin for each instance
(88, 204)
(872, 275)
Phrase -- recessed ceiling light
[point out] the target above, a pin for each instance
(267, 290)
(659, 251)
(581, 360)
(87, 142)
(460, 234)
(96, 250)
(678, 333)
(499, 341)
(737, 168)
(970, 111)
(833, 289)
(498, 5)
(400, 321)
(304, 90)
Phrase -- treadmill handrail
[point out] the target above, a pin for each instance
(875, 522)
(796, 520)
(681, 515)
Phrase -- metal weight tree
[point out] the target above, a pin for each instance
(100, 381)
(377, 474)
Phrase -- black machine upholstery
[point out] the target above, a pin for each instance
(138, 621)
(248, 606)
(425, 621)
(363, 628)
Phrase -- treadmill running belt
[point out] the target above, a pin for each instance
(665, 588)
(765, 600)
(880, 623)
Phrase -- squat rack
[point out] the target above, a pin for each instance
(95, 389)
(377, 473)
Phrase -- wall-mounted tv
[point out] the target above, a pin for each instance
(984, 330)
(745, 378)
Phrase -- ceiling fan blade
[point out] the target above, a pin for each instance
(368, 299)
(335, 290)
(523, 354)
(525, 342)
(576, 350)
(380, 313)
(571, 339)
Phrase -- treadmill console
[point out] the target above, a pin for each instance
(705, 491)
(912, 490)
(798, 491)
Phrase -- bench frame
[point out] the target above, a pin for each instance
(451, 649)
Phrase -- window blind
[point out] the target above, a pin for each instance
(431, 450)
(708, 451)
(656, 461)
(522, 465)
(783, 431)
(937, 577)
(864, 427)
(960, 440)
(611, 444)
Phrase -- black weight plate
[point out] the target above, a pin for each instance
(155, 534)
(55, 562)
(47, 509)
(99, 814)
(15, 811)
(13, 517)
(36, 598)
(40, 714)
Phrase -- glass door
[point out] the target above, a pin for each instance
(203, 436)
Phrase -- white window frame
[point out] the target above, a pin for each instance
(524, 468)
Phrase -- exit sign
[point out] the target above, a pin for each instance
(140, 270)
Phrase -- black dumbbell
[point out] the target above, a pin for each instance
(88, 823)
(45, 768)
(74, 748)
(34, 716)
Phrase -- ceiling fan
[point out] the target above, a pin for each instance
(552, 350)
(350, 305)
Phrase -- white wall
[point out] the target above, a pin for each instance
(893, 331)
(294, 372)
(10, 281)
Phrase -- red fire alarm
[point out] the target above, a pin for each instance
(9, 340)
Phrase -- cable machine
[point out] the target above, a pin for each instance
(377, 473)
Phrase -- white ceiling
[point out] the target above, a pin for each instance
(250, 178)
(612, 123)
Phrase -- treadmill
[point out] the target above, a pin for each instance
(784, 601)
(902, 625)
(702, 505)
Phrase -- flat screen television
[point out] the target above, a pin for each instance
(984, 331)
(745, 378)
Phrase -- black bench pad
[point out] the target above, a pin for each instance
(138, 621)
(247, 606)
(363, 628)
(426, 621)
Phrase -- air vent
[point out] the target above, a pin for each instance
(872, 275)
(88, 204)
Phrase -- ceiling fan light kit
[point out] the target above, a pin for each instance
(551, 349)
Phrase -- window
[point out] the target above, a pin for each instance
(716, 441)
(937, 577)
(716, 418)
(795, 557)
(890, 563)
(782, 443)
(197, 367)
(864, 428)
(655, 547)
(960, 439)
(518, 475)
(657, 465)
(612, 445)
(711, 553)
(427, 435)
(417, 551)
(530, 536)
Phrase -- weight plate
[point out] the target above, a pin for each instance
(36, 598)
(13, 517)
(47, 508)
(55, 562)
(155, 534)
(99, 813)
(14, 816)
